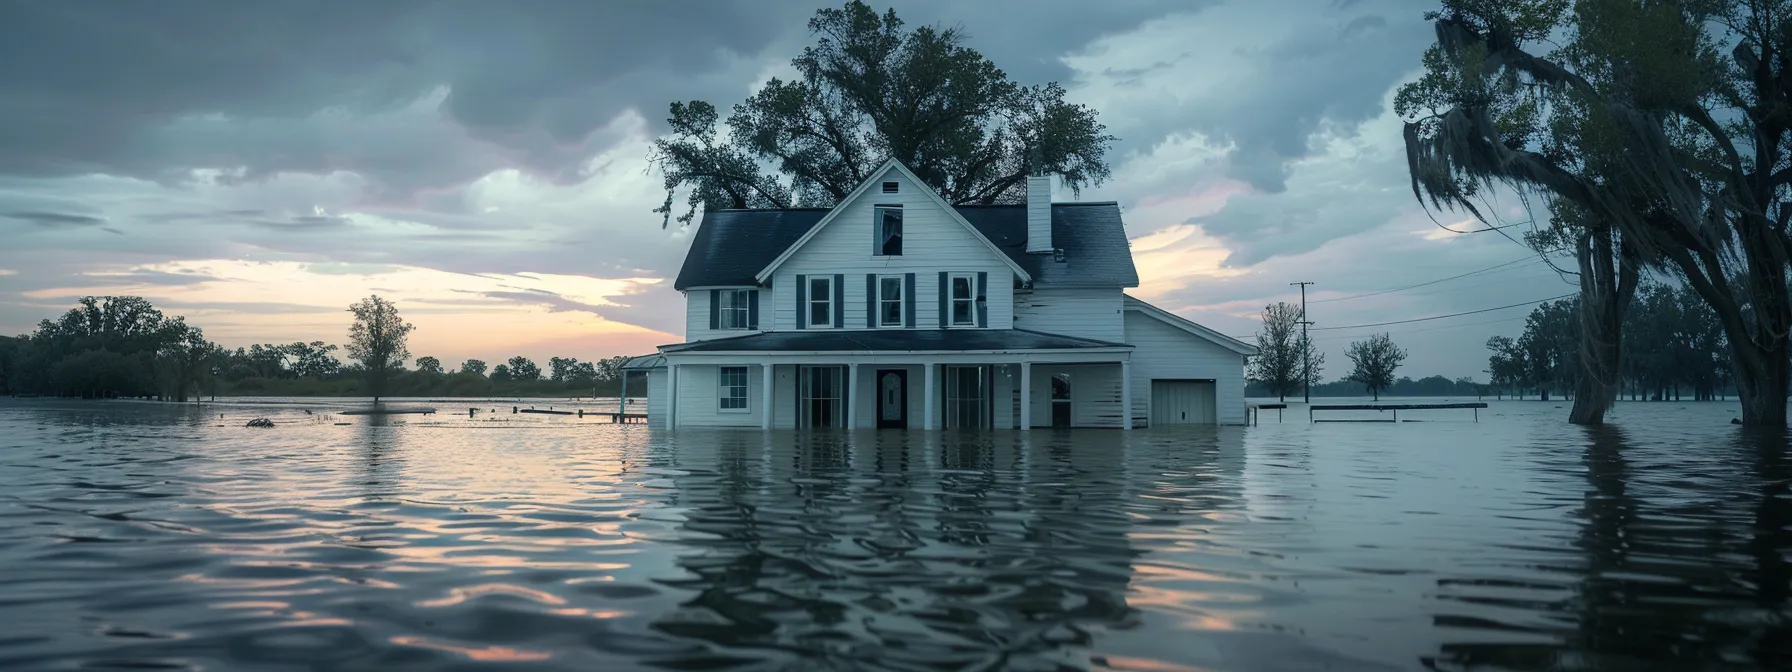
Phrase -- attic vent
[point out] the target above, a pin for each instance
(889, 187)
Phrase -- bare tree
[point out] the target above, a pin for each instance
(1375, 360)
(1282, 352)
(377, 341)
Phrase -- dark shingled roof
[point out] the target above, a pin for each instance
(892, 340)
(732, 246)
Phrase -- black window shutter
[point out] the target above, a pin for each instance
(715, 309)
(873, 301)
(802, 301)
(753, 309)
(839, 300)
(945, 302)
(983, 295)
(908, 300)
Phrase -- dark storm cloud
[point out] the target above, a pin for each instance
(51, 220)
(138, 88)
(156, 89)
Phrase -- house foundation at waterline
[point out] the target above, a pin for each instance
(897, 310)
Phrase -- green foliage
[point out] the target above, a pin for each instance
(429, 365)
(869, 89)
(124, 347)
(1373, 363)
(1282, 352)
(1665, 123)
(1671, 339)
(521, 368)
(377, 341)
(110, 346)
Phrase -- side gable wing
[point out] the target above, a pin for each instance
(877, 176)
(1190, 326)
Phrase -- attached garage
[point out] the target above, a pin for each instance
(1183, 402)
(1183, 373)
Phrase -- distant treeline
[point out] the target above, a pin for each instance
(1673, 346)
(1430, 386)
(125, 347)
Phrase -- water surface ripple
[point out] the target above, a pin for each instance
(139, 536)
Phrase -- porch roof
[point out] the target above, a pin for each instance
(644, 362)
(892, 340)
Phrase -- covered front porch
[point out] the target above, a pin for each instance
(1060, 382)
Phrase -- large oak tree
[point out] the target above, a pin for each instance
(1681, 150)
(870, 89)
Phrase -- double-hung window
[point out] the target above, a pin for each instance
(963, 295)
(731, 389)
(734, 313)
(889, 301)
(887, 234)
(821, 301)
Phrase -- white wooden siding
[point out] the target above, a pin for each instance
(656, 398)
(696, 317)
(1166, 352)
(931, 242)
(1084, 313)
(699, 405)
(1094, 394)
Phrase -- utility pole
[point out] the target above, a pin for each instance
(1306, 367)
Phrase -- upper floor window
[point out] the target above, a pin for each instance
(821, 301)
(887, 234)
(889, 301)
(734, 312)
(963, 293)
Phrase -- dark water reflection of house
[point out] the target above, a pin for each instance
(901, 551)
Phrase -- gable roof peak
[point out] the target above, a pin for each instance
(875, 176)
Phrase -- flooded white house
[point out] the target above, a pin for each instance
(895, 309)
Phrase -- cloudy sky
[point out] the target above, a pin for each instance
(259, 166)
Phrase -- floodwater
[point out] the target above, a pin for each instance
(145, 536)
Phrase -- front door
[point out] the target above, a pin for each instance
(892, 399)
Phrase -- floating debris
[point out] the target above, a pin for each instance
(260, 422)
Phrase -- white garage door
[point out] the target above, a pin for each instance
(1182, 402)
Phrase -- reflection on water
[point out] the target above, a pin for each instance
(154, 537)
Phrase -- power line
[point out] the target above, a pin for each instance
(1338, 337)
(1530, 257)
(1440, 317)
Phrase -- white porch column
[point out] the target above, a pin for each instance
(852, 396)
(622, 401)
(927, 397)
(1125, 394)
(765, 397)
(1026, 395)
(671, 396)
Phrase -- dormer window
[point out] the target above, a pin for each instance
(890, 187)
(886, 237)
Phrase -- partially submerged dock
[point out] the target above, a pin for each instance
(1393, 409)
